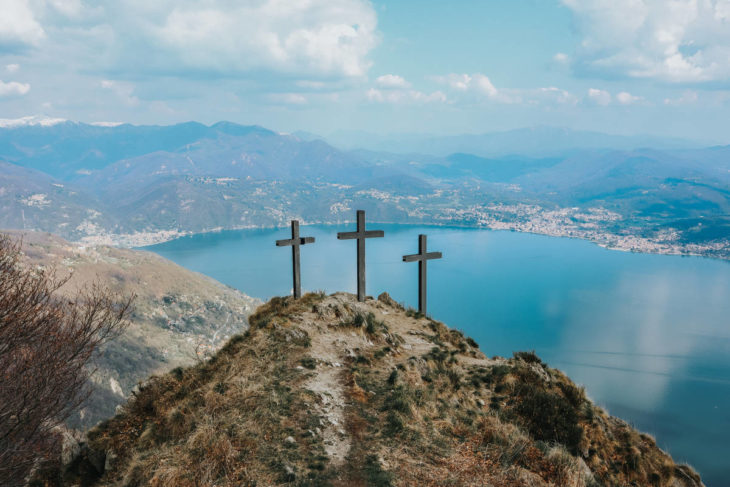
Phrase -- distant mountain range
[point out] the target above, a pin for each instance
(134, 185)
(538, 141)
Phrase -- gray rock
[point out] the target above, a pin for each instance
(70, 448)
(110, 460)
(289, 473)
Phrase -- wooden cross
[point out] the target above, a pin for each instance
(360, 235)
(422, 257)
(295, 241)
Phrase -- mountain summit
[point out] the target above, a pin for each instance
(325, 390)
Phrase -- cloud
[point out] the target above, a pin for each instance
(13, 88)
(123, 90)
(392, 81)
(625, 98)
(600, 97)
(475, 88)
(552, 94)
(18, 26)
(688, 98)
(477, 83)
(12, 68)
(288, 98)
(561, 58)
(316, 37)
(217, 38)
(681, 41)
(404, 96)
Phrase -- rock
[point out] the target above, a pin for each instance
(386, 299)
(70, 448)
(110, 460)
(290, 440)
(481, 402)
(289, 474)
(115, 387)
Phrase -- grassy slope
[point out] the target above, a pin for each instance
(329, 391)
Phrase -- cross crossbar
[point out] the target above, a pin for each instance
(294, 242)
(422, 257)
(419, 257)
(354, 235)
(291, 241)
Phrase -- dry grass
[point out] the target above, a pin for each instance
(410, 401)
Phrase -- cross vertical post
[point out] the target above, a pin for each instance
(422, 257)
(361, 234)
(294, 242)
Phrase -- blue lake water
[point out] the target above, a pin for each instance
(647, 335)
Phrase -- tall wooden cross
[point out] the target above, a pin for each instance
(295, 241)
(422, 257)
(360, 235)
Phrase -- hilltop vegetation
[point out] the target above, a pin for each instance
(328, 391)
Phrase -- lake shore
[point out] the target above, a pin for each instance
(611, 241)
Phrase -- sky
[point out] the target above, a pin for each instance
(659, 67)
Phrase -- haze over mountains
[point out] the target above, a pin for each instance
(537, 141)
(131, 185)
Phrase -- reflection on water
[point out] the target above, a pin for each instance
(647, 335)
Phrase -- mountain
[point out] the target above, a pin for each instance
(33, 200)
(329, 391)
(258, 156)
(178, 317)
(67, 149)
(538, 141)
(147, 184)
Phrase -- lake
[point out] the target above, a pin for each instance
(647, 335)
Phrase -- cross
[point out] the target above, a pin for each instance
(422, 257)
(360, 235)
(295, 241)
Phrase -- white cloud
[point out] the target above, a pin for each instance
(13, 88)
(404, 96)
(392, 81)
(18, 25)
(688, 98)
(600, 97)
(471, 88)
(123, 90)
(68, 8)
(467, 82)
(554, 95)
(625, 98)
(318, 37)
(561, 58)
(288, 98)
(474, 83)
(307, 39)
(12, 68)
(668, 40)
